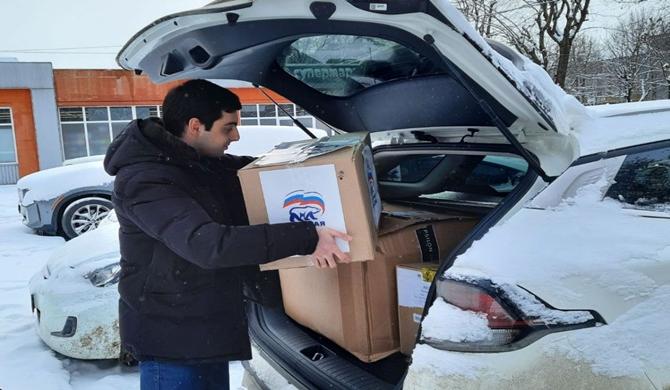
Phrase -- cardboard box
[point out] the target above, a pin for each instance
(329, 181)
(413, 283)
(355, 305)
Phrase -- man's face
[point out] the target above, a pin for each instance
(213, 143)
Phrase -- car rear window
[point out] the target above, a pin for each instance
(341, 65)
(643, 181)
(457, 176)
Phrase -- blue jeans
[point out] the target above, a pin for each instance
(162, 375)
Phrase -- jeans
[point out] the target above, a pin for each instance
(163, 375)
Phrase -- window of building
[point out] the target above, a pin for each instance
(88, 131)
(7, 141)
(270, 115)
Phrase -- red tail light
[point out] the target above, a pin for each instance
(515, 317)
(471, 298)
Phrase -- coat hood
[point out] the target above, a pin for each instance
(146, 140)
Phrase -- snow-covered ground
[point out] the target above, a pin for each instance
(26, 362)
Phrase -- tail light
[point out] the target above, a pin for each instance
(511, 317)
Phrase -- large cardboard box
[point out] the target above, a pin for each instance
(355, 305)
(413, 283)
(329, 181)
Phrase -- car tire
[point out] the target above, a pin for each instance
(84, 215)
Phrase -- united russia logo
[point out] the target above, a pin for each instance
(305, 207)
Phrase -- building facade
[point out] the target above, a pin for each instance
(48, 116)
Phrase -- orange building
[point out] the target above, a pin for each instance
(48, 116)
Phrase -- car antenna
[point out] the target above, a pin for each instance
(295, 121)
(472, 134)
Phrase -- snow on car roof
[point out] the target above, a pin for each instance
(614, 126)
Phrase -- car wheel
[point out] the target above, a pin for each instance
(84, 215)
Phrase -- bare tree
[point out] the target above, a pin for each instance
(658, 43)
(633, 63)
(480, 13)
(543, 30)
(585, 71)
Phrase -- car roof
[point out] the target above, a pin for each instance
(617, 126)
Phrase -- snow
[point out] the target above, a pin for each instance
(539, 312)
(615, 126)
(450, 323)
(630, 344)
(26, 362)
(427, 358)
(586, 254)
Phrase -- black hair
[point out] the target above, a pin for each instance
(197, 99)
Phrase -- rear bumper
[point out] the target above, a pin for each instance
(552, 362)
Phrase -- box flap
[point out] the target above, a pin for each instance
(392, 221)
(299, 151)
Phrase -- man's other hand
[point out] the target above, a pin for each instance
(327, 252)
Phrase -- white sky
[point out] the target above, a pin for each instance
(83, 24)
(103, 27)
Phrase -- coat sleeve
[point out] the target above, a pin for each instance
(170, 215)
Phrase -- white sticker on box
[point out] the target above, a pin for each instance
(304, 194)
(412, 289)
(416, 318)
(373, 189)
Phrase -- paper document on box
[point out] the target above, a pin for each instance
(414, 289)
(304, 194)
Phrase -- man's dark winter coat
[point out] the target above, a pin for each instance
(184, 247)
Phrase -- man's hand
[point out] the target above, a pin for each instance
(327, 252)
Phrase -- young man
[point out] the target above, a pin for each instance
(185, 241)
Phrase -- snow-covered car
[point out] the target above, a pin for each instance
(75, 297)
(74, 199)
(580, 296)
(68, 200)
(458, 124)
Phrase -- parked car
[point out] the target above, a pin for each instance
(443, 105)
(68, 200)
(579, 296)
(74, 199)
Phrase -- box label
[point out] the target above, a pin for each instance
(373, 189)
(412, 290)
(430, 250)
(304, 194)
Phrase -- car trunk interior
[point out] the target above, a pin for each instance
(450, 180)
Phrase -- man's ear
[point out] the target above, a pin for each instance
(193, 127)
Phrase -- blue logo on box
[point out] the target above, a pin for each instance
(305, 207)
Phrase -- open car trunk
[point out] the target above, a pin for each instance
(315, 361)
(412, 71)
